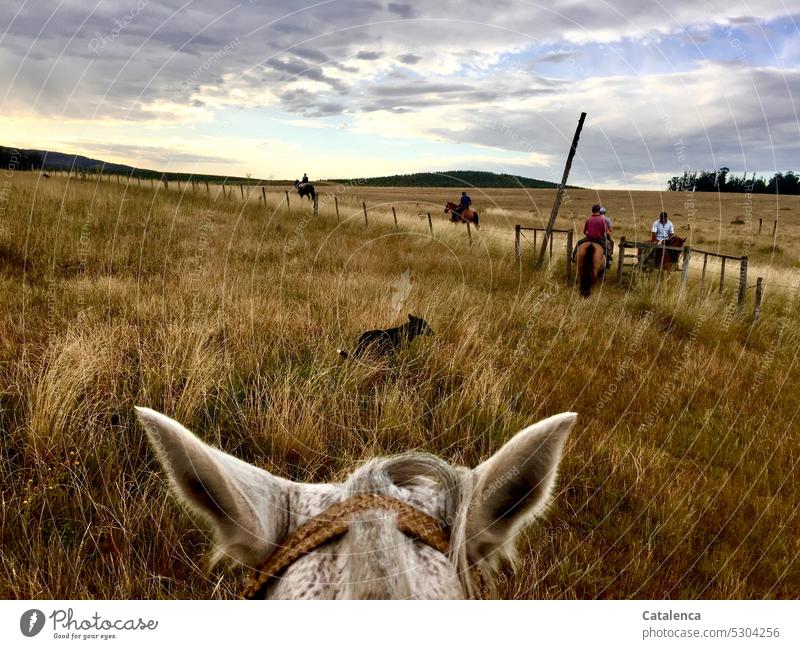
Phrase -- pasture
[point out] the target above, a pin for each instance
(680, 479)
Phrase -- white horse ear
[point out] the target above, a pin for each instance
(513, 486)
(246, 506)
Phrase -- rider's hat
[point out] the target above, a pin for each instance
(602, 210)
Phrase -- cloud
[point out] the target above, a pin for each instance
(402, 10)
(368, 56)
(409, 59)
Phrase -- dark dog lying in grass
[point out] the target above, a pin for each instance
(387, 341)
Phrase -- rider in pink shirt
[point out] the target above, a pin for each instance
(596, 226)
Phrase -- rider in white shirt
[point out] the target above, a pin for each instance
(662, 229)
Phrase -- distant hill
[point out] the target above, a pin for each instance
(452, 179)
(26, 159)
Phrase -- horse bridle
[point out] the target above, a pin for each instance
(334, 523)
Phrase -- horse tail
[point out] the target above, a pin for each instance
(587, 269)
(342, 353)
(476, 219)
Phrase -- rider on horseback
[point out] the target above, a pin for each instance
(464, 203)
(596, 230)
(662, 229)
(305, 178)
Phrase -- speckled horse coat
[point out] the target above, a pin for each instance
(252, 511)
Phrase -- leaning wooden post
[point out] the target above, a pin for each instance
(151, 183)
(364, 205)
(469, 233)
(742, 283)
(208, 191)
(722, 275)
(569, 254)
(118, 180)
(241, 190)
(166, 184)
(687, 251)
(559, 194)
(517, 254)
(336, 205)
(223, 191)
(316, 205)
(288, 206)
(620, 259)
(394, 214)
(193, 187)
(138, 181)
(774, 227)
(759, 294)
(264, 194)
(430, 223)
(759, 225)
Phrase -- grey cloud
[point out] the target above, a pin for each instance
(409, 59)
(365, 55)
(401, 9)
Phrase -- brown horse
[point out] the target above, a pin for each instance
(591, 259)
(670, 257)
(467, 216)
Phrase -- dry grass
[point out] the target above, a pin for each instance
(681, 479)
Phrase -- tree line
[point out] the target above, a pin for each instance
(722, 180)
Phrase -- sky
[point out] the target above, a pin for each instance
(359, 88)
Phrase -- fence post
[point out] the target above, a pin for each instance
(151, 183)
(757, 303)
(223, 191)
(241, 190)
(430, 223)
(687, 251)
(288, 206)
(742, 283)
(569, 254)
(193, 187)
(366, 222)
(336, 204)
(620, 259)
(138, 181)
(759, 225)
(722, 275)
(469, 233)
(394, 214)
(516, 242)
(316, 205)
(264, 195)
(703, 275)
(166, 184)
(774, 227)
(118, 180)
(207, 189)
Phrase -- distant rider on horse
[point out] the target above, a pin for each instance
(463, 204)
(305, 178)
(662, 229)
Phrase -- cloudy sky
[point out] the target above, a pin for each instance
(345, 88)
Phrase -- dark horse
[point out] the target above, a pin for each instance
(591, 262)
(305, 189)
(466, 216)
(670, 257)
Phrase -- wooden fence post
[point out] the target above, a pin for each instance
(166, 184)
(759, 225)
(223, 190)
(394, 214)
(264, 195)
(687, 251)
(316, 205)
(742, 283)
(703, 275)
(722, 276)
(118, 180)
(241, 190)
(151, 183)
(430, 223)
(208, 191)
(774, 227)
(336, 205)
(620, 259)
(569, 254)
(517, 252)
(138, 181)
(193, 187)
(364, 205)
(288, 206)
(759, 294)
(469, 233)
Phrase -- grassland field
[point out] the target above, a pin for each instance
(680, 480)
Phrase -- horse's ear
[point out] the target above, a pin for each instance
(513, 486)
(246, 506)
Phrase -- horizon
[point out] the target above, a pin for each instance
(358, 90)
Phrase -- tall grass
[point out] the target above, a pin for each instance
(681, 479)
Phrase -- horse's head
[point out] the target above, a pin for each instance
(254, 514)
(449, 206)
